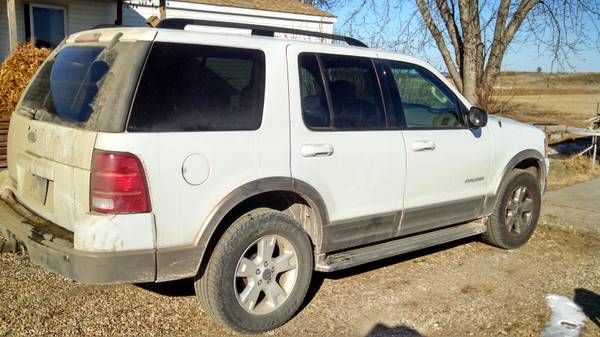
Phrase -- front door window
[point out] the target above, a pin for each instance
(427, 103)
(47, 25)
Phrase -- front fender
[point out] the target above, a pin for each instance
(542, 165)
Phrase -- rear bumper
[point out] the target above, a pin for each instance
(57, 255)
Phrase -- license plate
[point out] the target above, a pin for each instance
(39, 188)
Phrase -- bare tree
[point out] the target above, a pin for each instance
(473, 36)
(318, 3)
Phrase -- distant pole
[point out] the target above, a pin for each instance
(12, 24)
(595, 149)
(163, 9)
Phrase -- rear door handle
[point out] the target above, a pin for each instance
(316, 150)
(423, 145)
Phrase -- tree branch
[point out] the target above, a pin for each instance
(439, 40)
(504, 34)
(450, 22)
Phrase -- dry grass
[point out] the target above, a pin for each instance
(572, 110)
(15, 73)
(548, 84)
(549, 98)
(569, 98)
(566, 172)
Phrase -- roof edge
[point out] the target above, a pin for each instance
(314, 10)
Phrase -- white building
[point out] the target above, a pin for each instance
(47, 22)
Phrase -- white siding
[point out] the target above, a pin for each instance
(81, 15)
(4, 42)
(138, 10)
(84, 14)
(3, 31)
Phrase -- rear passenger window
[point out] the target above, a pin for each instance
(353, 89)
(188, 87)
(315, 110)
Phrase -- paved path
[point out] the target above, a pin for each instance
(578, 205)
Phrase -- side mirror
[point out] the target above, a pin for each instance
(477, 118)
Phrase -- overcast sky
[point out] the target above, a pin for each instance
(520, 56)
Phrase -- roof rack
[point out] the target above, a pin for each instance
(178, 23)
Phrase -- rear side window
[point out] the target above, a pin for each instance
(187, 87)
(315, 109)
(353, 89)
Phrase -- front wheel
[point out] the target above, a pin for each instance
(516, 213)
(258, 274)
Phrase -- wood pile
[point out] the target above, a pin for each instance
(3, 141)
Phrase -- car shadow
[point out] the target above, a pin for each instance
(178, 288)
(381, 330)
(589, 302)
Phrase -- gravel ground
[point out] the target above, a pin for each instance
(461, 289)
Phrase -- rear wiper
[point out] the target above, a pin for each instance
(29, 112)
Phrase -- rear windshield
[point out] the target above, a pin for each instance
(87, 86)
(188, 87)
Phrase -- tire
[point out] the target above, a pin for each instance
(513, 221)
(228, 278)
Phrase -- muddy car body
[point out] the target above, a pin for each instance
(248, 161)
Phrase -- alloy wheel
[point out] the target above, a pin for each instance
(266, 274)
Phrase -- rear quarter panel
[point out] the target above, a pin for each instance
(234, 158)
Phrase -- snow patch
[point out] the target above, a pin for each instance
(567, 319)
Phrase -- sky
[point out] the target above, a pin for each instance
(520, 56)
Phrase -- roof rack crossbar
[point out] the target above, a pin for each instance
(179, 23)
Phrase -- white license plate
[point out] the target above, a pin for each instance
(39, 188)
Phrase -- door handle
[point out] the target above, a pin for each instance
(423, 145)
(316, 150)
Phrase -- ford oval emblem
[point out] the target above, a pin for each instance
(31, 136)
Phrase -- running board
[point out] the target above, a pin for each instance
(384, 250)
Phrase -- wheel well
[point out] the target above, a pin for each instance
(288, 202)
(531, 165)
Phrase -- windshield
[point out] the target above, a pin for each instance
(87, 86)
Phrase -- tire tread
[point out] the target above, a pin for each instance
(208, 286)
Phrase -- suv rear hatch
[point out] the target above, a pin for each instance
(85, 87)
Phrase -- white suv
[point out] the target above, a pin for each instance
(248, 161)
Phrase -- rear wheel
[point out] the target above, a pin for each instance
(258, 274)
(516, 212)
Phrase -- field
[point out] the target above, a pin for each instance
(564, 98)
(568, 98)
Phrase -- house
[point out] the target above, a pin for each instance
(47, 22)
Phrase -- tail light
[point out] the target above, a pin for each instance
(118, 184)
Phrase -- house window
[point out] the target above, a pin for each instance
(47, 24)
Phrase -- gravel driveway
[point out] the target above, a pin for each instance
(462, 289)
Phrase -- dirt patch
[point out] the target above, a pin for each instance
(460, 289)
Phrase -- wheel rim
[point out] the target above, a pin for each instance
(519, 210)
(266, 274)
